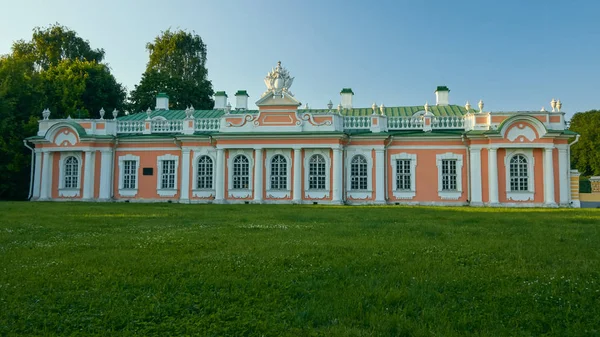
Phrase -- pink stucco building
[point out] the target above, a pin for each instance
(440, 154)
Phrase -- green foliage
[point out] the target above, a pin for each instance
(585, 185)
(177, 66)
(585, 154)
(56, 70)
(80, 89)
(51, 45)
(290, 270)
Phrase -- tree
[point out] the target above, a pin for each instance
(49, 46)
(177, 66)
(585, 154)
(56, 70)
(80, 89)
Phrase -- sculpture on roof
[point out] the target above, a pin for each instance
(278, 81)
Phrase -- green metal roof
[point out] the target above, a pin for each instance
(172, 114)
(405, 111)
(347, 91)
(242, 92)
(442, 88)
(162, 94)
(220, 93)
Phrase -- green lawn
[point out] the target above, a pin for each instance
(253, 270)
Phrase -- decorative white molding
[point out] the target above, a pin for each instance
(269, 157)
(308, 153)
(67, 136)
(359, 195)
(129, 192)
(317, 195)
(396, 192)
(166, 192)
(278, 194)
(365, 153)
(521, 131)
(450, 194)
(70, 192)
(309, 118)
(520, 195)
(211, 153)
(204, 194)
(240, 193)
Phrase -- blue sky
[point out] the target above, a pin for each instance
(515, 55)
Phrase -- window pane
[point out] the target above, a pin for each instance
(205, 173)
(358, 173)
(449, 175)
(241, 172)
(316, 172)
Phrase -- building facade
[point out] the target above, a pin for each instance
(435, 155)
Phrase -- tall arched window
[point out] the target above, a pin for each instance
(71, 172)
(241, 172)
(278, 172)
(358, 173)
(519, 175)
(205, 173)
(316, 172)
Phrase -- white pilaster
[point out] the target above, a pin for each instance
(220, 178)
(493, 175)
(37, 175)
(475, 163)
(548, 178)
(297, 176)
(88, 176)
(258, 175)
(185, 175)
(563, 172)
(379, 176)
(337, 176)
(46, 183)
(106, 174)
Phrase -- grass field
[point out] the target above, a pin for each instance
(253, 270)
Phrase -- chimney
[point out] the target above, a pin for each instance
(162, 101)
(241, 100)
(346, 94)
(220, 100)
(441, 95)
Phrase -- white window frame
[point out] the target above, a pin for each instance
(520, 195)
(204, 193)
(396, 192)
(317, 194)
(453, 194)
(130, 192)
(72, 191)
(279, 193)
(166, 192)
(369, 161)
(243, 193)
(210, 178)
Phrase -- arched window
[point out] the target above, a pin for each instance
(519, 175)
(316, 172)
(278, 173)
(241, 172)
(71, 172)
(205, 173)
(358, 173)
